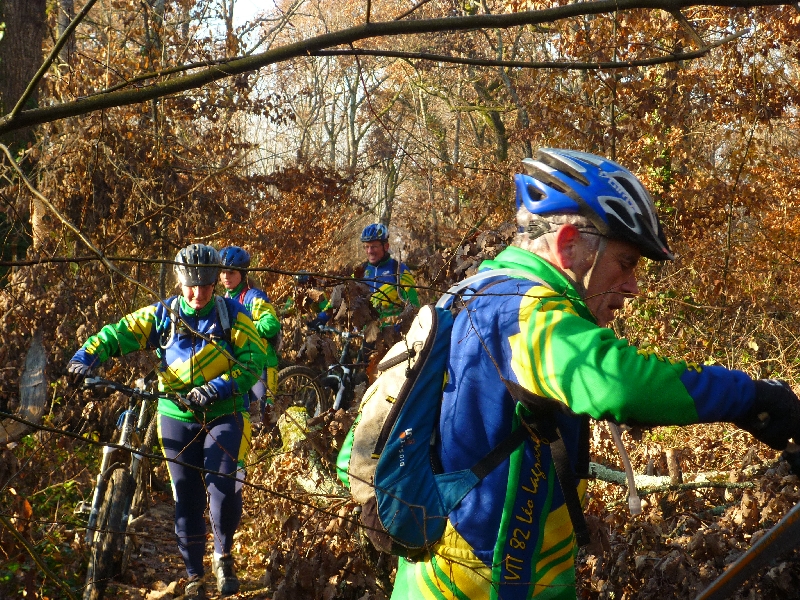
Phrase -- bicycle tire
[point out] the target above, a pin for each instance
(299, 385)
(141, 497)
(108, 545)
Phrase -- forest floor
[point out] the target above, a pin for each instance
(157, 571)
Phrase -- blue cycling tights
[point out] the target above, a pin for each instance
(219, 446)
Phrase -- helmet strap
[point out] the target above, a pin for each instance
(601, 249)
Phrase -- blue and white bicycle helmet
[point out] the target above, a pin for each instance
(234, 257)
(606, 193)
(197, 264)
(377, 232)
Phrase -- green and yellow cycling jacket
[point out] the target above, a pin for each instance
(392, 286)
(263, 313)
(511, 537)
(188, 360)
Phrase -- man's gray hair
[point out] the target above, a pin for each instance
(537, 230)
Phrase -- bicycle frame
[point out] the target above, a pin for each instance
(341, 382)
(131, 425)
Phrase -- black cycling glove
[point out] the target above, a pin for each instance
(202, 395)
(775, 415)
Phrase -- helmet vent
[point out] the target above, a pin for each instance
(630, 188)
(534, 193)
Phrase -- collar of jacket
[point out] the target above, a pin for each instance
(383, 262)
(517, 258)
(234, 293)
(190, 312)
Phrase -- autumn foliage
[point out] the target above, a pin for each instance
(292, 161)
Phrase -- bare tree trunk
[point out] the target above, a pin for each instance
(66, 12)
(20, 57)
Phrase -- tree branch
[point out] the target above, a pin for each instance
(566, 65)
(310, 46)
(49, 60)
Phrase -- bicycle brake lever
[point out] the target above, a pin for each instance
(91, 381)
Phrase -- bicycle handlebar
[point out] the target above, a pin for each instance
(344, 334)
(92, 383)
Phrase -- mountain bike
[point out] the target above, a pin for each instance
(121, 493)
(300, 385)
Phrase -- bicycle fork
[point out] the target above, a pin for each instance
(126, 426)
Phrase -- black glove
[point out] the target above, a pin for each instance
(775, 415)
(77, 372)
(202, 395)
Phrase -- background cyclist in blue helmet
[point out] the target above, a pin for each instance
(238, 286)
(391, 281)
(583, 222)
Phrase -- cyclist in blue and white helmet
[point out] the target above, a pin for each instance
(238, 286)
(391, 281)
(541, 328)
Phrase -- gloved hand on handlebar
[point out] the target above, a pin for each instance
(318, 321)
(775, 415)
(77, 372)
(202, 395)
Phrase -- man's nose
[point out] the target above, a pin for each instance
(630, 286)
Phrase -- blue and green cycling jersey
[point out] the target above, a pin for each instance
(264, 316)
(188, 360)
(392, 286)
(511, 537)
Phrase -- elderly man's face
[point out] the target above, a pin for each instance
(613, 280)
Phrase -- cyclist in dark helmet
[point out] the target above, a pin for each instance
(391, 281)
(238, 286)
(584, 222)
(211, 367)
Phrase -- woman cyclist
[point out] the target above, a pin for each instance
(238, 286)
(210, 351)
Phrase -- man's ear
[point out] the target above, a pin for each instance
(565, 251)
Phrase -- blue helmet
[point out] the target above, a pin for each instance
(606, 193)
(233, 257)
(302, 277)
(197, 264)
(377, 232)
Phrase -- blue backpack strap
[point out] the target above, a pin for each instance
(224, 318)
(543, 423)
(469, 284)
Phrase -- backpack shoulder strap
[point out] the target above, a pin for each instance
(447, 298)
(224, 318)
(543, 422)
(167, 336)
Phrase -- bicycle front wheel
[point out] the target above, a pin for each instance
(298, 385)
(108, 546)
(140, 501)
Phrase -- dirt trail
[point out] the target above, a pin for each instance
(156, 571)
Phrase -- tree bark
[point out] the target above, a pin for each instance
(32, 393)
(20, 57)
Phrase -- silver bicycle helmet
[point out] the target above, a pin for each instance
(192, 269)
